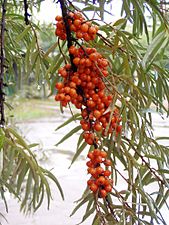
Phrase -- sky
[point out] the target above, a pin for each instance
(49, 10)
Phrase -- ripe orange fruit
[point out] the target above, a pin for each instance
(77, 23)
(93, 187)
(101, 180)
(108, 188)
(97, 127)
(59, 85)
(107, 173)
(107, 162)
(103, 154)
(76, 61)
(103, 193)
(96, 113)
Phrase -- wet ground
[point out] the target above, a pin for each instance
(73, 180)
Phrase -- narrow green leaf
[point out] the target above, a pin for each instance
(156, 45)
(77, 116)
(52, 177)
(87, 214)
(86, 199)
(78, 152)
(73, 131)
(21, 36)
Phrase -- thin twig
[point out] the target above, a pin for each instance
(36, 38)
(60, 49)
(99, 212)
(145, 162)
(2, 60)
(111, 209)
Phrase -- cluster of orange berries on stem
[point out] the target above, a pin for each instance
(82, 85)
(86, 90)
(82, 28)
(99, 182)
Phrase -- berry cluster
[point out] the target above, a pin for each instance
(83, 29)
(82, 85)
(99, 181)
(86, 90)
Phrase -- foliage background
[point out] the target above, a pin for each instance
(138, 56)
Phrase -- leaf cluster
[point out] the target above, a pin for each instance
(21, 174)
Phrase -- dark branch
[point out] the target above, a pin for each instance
(68, 31)
(2, 65)
(26, 12)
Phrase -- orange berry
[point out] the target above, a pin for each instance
(89, 182)
(61, 97)
(86, 126)
(97, 127)
(59, 85)
(89, 141)
(84, 27)
(82, 61)
(58, 18)
(72, 92)
(67, 98)
(77, 23)
(103, 193)
(96, 152)
(107, 162)
(103, 154)
(96, 114)
(98, 159)
(67, 90)
(92, 30)
(76, 61)
(79, 34)
(72, 50)
(73, 28)
(93, 187)
(88, 62)
(93, 57)
(107, 173)
(108, 188)
(91, 104)
(86, 37)
(77, 15)
(89, 164)
(90, 155)
(101, 180)
(72, 84)
(99, 170)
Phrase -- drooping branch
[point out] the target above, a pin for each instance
(2, 65)
(68, 31)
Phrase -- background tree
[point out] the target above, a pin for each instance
(137, 82)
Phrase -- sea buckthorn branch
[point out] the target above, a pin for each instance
(68, 31)
(83, 86)
(2, 65)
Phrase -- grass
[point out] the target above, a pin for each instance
(29, 109)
